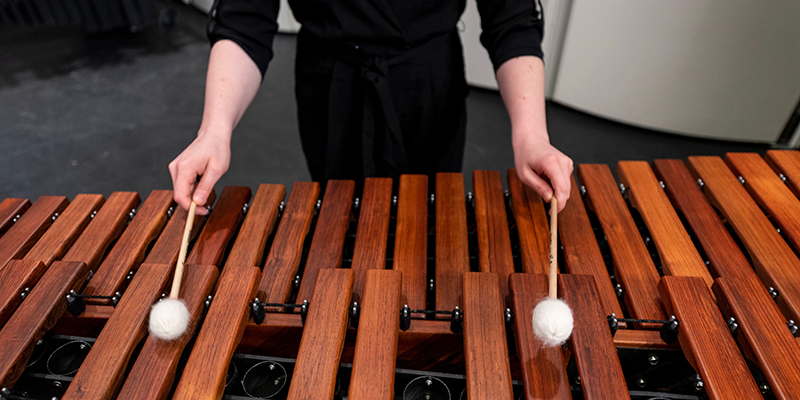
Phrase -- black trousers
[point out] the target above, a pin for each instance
(363, 114)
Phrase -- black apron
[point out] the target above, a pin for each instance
(368, 111)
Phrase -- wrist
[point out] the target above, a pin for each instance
(519, 135)
(216, 131)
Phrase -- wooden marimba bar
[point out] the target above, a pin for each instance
(681, 278)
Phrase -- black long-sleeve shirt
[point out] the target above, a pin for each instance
(511, 28)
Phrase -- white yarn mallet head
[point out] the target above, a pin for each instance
(169, 317)
(552, 317)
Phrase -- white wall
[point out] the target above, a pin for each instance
(286, 21)
(204, 5)
(479, 68)
(710, 68)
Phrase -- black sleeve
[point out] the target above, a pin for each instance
(511, 28)
(251, 24)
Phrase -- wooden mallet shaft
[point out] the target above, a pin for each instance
(176, 280)
(553, 243)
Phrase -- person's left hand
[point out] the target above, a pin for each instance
(542, 167)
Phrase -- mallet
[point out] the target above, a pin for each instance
(552, 317)
(169, 317)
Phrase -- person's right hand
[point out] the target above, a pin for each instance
(208, 157)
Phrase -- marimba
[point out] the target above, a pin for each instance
(683, 279)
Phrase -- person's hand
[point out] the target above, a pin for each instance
(208, 156)
(543, 167)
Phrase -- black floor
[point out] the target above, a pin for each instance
(99, 113)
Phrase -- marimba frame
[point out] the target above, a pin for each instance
(277, 338)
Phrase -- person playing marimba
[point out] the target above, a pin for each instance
(380, 89)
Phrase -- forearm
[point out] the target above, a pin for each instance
(539, 165)
(232, 82)
(521, 83)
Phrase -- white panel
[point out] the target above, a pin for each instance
(286, 21)
(712, 68)
(480, 71)
(556, 16)
(204, 5)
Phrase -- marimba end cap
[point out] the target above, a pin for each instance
(552, 322)
(169, 319)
